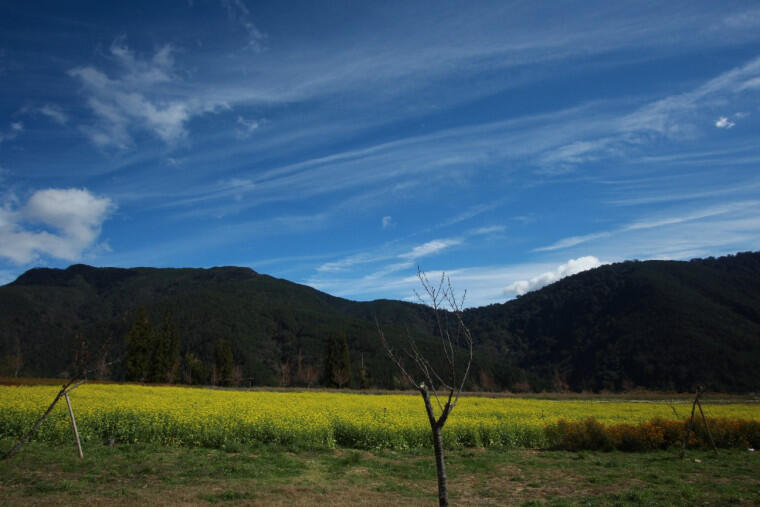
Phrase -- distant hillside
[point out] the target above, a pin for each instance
(653, 324)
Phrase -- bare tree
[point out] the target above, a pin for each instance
(308, 375)
(453, 334)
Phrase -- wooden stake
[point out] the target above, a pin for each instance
(73, 424)
(690, 425)
(709, 434)
(66, 388)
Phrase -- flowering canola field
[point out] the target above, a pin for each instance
(221, 418)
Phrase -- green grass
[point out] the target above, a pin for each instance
(265, 475)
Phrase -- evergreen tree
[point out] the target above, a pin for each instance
(152, 354)
(337, 371)
(223, 362)
(139, 343)
(196, 371)
(165, 356)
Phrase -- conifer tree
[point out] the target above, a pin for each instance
(337, 370)
(139, 343)
(165, 358)
(223, 362)
(196, 371)
(152, 354)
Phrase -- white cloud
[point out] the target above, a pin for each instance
(724, 123)
(484, 284)
(387, 221)
(673, 116)
(55, 113)
(571, 267)
(554, 142)
(60, 223)
(133, 100)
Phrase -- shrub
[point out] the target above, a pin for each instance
(588, 434)
(658, 433)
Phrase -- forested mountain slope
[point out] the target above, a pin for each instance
(656, 324)
(653, 324)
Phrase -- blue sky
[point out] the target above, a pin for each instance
(340, 145)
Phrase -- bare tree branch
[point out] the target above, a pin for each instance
(452, 332)
(392, 356)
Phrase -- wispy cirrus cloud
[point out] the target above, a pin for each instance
(407, 256)
(12, 131)
(571, 241)
(238, 13)
(552, 144)
(674, 117)
(740, 211)
(55, 113)
(246, 127)
(658, 195)
(429, 248)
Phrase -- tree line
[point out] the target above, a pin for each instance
(153, 355)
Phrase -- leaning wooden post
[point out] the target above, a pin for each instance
(73, 424)
(690, 424)
(707, 428)
(65, 389)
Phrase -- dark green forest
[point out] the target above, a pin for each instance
(662, 325)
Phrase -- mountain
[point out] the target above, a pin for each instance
(653, 324)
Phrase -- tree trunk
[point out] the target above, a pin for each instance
(440, 465)
(443, 489)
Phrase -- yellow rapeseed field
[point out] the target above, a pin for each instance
(222, 418)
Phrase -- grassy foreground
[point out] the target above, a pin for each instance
(43, 474)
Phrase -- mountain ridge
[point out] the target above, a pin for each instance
(650, 324)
